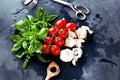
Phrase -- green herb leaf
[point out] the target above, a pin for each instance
(27, 60)
(30, 17)
(51, 17)
(17, 46)
(20, 54)
(42, 59)
(25, 45)
(15, 38)
(39, 13)
(43, 33)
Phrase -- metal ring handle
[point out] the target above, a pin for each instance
(80, 15)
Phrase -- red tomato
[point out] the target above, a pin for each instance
(60, 23)
(71, 26)
(46, 49)
(63, 33)
(59, 41)
(48, 40)
(55, 50)
(53, 31)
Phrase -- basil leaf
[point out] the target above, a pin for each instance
(44, 16)
(20, 54)
(39, 13)
(24, 45)
(15, 38)
(42, 59)
(31, 49)
(43, 33)
(17, 46)
(51, 17)
(30, 17)
(38, 46)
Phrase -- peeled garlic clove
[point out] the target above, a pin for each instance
(71, 34)
(77, 52)
(66, 55)
(87, 28)
(74, 62)
(70, 42)
(79, 42)
(81, 33)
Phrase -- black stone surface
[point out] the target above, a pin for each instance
(101, 59)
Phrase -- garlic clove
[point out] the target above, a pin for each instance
(66, 55)
(77, 52)
(79, 42)
(71, 34)
(88, 29)
(70, 42)
(82, 32)
(74, 62)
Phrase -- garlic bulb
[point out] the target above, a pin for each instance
(66, 55)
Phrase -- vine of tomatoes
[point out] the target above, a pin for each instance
(56, 38)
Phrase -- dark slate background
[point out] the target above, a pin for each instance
(101, 59)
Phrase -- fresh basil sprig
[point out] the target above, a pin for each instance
(31, 33)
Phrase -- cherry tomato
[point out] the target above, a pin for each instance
(46, 49)
(59, 41)
(63, 33)
(48, 40)
(55, 50)
(71, 26)
(60, 23)
(53, 31)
